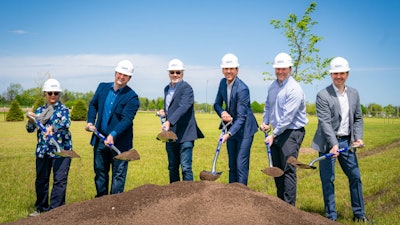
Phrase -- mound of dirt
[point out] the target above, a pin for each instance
(199, 202)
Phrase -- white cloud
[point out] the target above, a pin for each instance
(19, 32)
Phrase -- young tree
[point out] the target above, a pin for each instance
(307, 64)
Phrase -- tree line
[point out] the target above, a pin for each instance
(16, 97)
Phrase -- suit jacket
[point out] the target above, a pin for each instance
(244, 123)
(180, 113)
(329, 118)
(121, 118)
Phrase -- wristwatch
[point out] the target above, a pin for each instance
(230, 134)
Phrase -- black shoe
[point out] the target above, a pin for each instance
(362, 219)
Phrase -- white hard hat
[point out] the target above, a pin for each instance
(51, 85)
(175, 64)
(125, 67)
(282, 60)
(339, 65)
(229, 61)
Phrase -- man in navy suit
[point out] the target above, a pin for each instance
(179, 113)
(236, 95)
(111, 112)
(340, 124)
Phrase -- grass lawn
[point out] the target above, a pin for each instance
(380, 167)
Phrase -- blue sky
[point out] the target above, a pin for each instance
(80, 42)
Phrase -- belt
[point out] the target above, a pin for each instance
(342, 137)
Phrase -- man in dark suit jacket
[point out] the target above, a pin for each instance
(179, 118)
(340, 124)
(111, 112)
(236, 95)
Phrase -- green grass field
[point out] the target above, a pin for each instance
(380, 167)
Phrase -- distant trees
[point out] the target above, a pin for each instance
(34, 98)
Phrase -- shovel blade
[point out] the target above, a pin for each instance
(210, 176)
(167, 136)
(292, 160)
(273, 171)
(128, 155)
(67, 154)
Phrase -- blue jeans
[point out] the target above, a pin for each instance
(180, 154)
(103, 161)
(349, 163)
(239, 158)
(60, 179)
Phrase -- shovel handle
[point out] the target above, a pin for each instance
(44, 130)
(268, 148)
(103, 138)
(329, 155)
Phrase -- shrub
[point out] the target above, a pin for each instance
(79, 111)
(15, 113)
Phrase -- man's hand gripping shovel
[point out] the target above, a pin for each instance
(124, 156)
(292, 160)
(271, 170)
(213, 174)
(59, 152)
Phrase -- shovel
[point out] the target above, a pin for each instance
(213, 175)
(59, 152)
(124, 156)
(292, 160)
(271, 170)
(166, 136)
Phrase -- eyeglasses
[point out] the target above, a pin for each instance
(175, 72)
(52, 93)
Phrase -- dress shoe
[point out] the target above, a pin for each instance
(362, 219)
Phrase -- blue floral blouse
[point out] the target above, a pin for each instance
(60, 121)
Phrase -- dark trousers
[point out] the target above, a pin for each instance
(239, 158)
(349, 164)
(103, 161)
(287, 144)
(180, 154)
(60, 168)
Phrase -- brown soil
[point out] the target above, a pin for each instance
(199, 202)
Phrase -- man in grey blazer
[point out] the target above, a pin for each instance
(340, 124)
(179, 114)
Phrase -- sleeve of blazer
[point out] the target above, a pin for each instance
(219, 100)
(94, 104)
(358, 126)
(186, 100)
(242, 96)
(324, 113)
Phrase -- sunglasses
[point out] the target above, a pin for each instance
(52, 93)
(175, 72)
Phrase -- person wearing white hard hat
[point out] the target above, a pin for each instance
(55, 117)
(232, 103)
(111, 112)
(285, 115)
(340, 125)
(180, 118)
